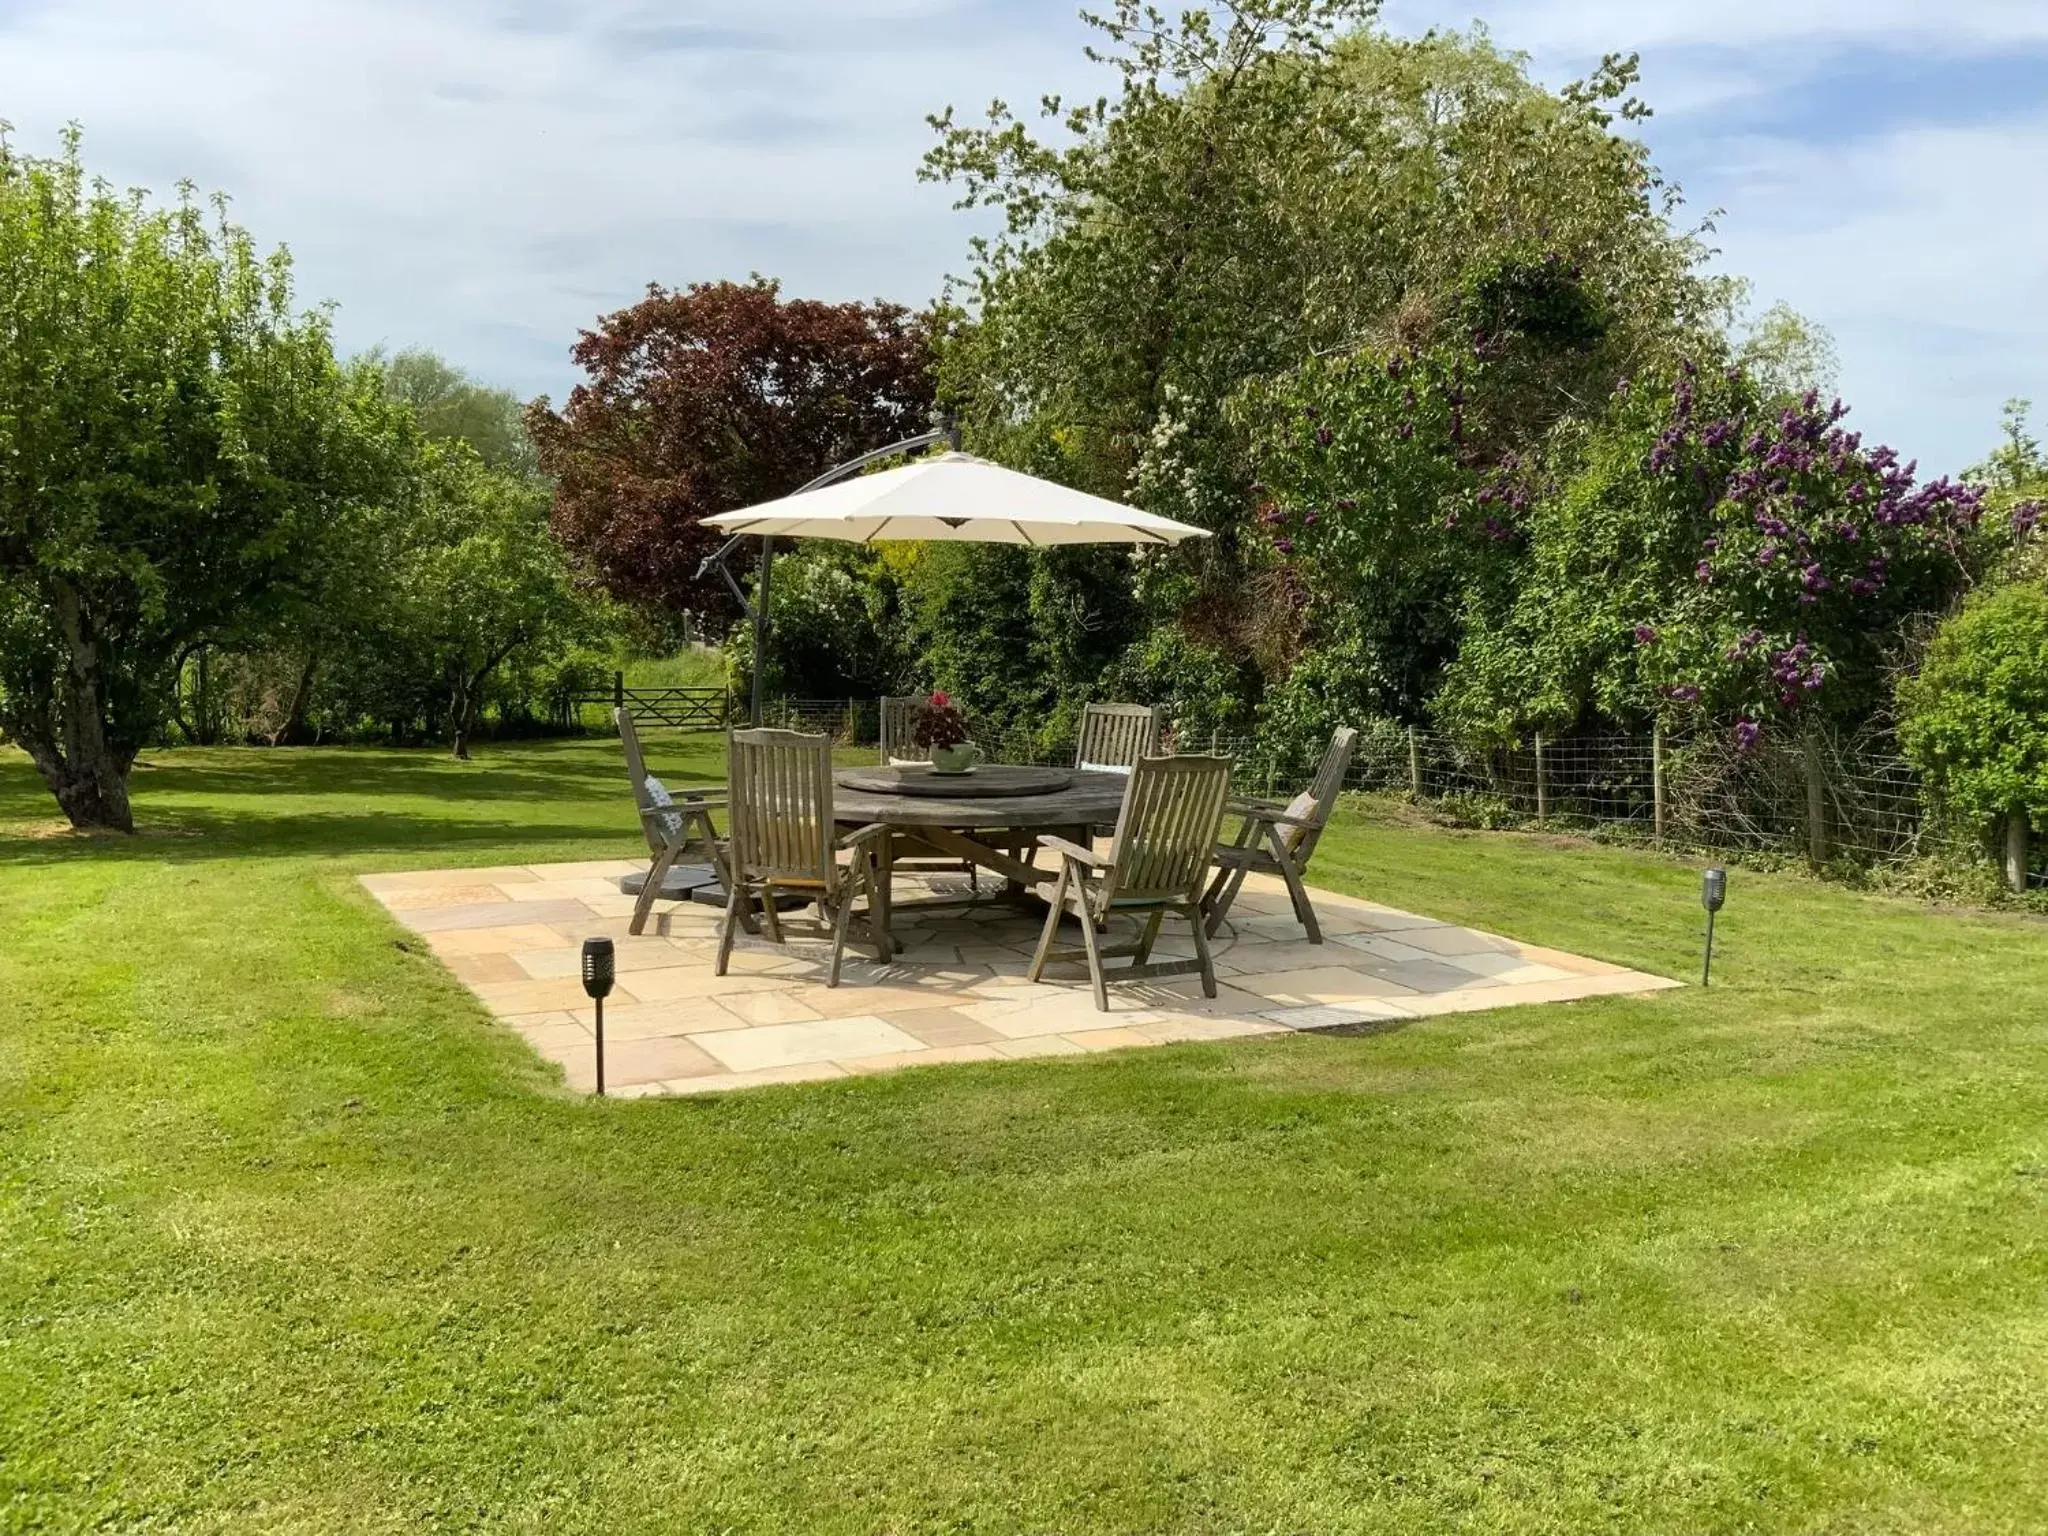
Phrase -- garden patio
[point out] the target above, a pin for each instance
(957, 991)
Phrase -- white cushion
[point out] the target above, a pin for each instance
(1105, 767)
(657, 794)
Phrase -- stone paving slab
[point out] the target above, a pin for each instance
(956, 994)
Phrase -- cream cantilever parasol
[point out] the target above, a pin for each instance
(954, 496)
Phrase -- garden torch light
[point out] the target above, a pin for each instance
(1713, 893)
(599, 969)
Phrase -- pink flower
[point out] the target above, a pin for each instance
(942, 700)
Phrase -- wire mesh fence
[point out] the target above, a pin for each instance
(1824, 798)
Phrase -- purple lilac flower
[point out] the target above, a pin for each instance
(1646, 634)
(1747, 734)
(1684, 693)
(1767, 554)
(1703, 572)
(1285, 546)
(2025, 518)
(1324, 437)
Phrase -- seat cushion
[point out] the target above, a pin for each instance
(671, 824)
(1303, 806)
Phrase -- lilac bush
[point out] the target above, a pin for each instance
(1705, 553)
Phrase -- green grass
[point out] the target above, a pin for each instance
(293, 1238)
(685, 669)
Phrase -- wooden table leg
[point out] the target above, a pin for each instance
(885, 895)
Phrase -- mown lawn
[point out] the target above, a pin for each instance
(293, 1238)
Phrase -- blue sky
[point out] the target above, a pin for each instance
(486, 176)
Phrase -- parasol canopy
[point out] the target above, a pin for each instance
(954, 497)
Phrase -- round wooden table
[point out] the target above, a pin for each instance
(991, 833)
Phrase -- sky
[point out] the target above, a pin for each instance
(486, 177)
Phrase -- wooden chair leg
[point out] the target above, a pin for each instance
(883, 942)
(1196, 925)
(651, 888)
(1052, 924)
(769, 917)
(707, 835)
(735, 904)
(1218, 907)
(1091, 942)
(1304, 909)
(1149, 937)
(841, 915)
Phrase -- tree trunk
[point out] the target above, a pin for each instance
(85, 773)
(293, 731)
(2015, 860)
(461, 719)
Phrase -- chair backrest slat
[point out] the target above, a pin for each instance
(1116, 735)
(1167, 829)
(636, 771)
(1323, 790)
(781, 804)
(899, 722)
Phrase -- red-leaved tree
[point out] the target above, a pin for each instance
(717, 396)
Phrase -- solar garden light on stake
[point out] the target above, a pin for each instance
(599, 971)
(1713, 894)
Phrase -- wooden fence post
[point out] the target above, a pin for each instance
(1657, 782)
(1816, 799)
(2016, 830)
(1414, 766)
(618, 690)
(1542, 785)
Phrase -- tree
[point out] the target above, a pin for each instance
(2017, 464)
(1273, 181)
(1974, 719)
(449, 405)
(177, 446)
(477, 581)
(1786, 354)
(711, 398)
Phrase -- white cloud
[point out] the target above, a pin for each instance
(487, 179)
(1925, 250)
(1592, 27)
(486, 176)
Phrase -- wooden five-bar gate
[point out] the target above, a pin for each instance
(688, 709)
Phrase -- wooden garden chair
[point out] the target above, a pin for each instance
(1115, 736)
(784, 840)
(899, 721)
(673, 826)
(899, 724)
(1280, 839)
(1157, 861)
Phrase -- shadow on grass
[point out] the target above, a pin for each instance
(241, 802)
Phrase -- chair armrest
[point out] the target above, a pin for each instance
(874, 831)
(1074, 851)
(1266, 810)
(1246, 805)
(683, 808)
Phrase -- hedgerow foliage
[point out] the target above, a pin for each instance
(1975, 717)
